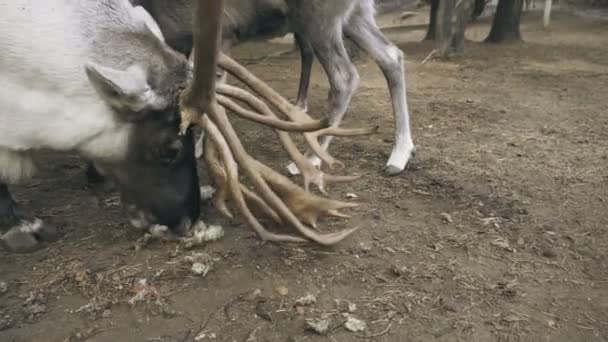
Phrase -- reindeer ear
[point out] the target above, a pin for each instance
(124, 89)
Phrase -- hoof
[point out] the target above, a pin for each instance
(398, 160)
(392, 170)
(29, 236)
(99, 181)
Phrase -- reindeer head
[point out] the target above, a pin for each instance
(140, 78)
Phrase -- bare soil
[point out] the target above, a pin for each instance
(496, 231)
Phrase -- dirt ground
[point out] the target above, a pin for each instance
(496, 231)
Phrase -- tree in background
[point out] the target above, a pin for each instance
(505, 27)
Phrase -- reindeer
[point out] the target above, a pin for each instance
(96, 77)
(319, 27)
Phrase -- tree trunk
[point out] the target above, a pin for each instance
(430, 34)
(452, 18)
(505, 26)
(444, 29)
(547, 13)
(462, 14)
(478, 8)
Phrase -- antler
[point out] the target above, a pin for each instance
(275, 195)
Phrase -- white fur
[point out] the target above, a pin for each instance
(144, 16)
(30, 227)
(46, 98)
(15, 166)
(394, 53)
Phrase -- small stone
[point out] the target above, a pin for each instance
(355, 325)
(350, 195)
(549, 253)
(306, 300)
(106, 314)
(363, 247)
(446, 217)
(253, 295)
(502, 243)
(207, 192)
(198, 268)
(35, 309)
(3, 287)
(352, 307)
(320, 326)
(282, 290)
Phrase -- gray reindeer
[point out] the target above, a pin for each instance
(319, 28)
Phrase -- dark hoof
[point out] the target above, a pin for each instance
(391, 171)
(29, 236)
(98, 180)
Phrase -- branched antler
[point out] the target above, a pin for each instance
(273, 194)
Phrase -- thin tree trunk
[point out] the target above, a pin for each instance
(547, 13)
(478, 8)
(431, 32)
(444, 28)
(452, 18)
(505, 26)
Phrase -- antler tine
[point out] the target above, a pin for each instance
(220, 179)
(310, 174)
(289, 110)
(235, 186)
(218, 174)
(290, 126)
(251, 168)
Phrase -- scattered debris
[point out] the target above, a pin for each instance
(207, 192)
(345, 305)
(34, 304)
(504, 244)
(142, 292)
(355, 325)
(552, 324)
(506, 289)
(35, 309)
(350, 195)
(200, 269)
(204, 334)
(263, 309)
(6, 322)
(320, 326)
(253, 295)
(282, 290)
(202, 233)
(402, 271)
(365, 248)
(513, 318)
(447, 218)
(495, 221)
(201, 263)
(3, 287)
(306, 300)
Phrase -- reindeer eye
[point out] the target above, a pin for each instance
(172, 152)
